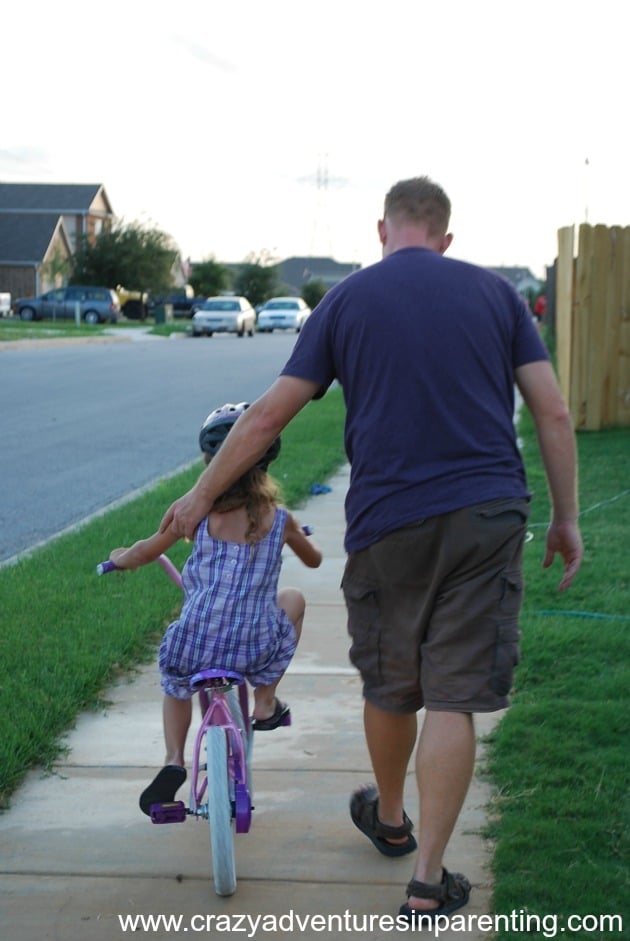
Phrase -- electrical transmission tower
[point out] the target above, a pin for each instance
(321, 232)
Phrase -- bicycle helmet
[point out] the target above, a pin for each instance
(217, 425)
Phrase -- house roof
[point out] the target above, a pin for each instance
(516, 276)
(56, 198)
(296, 271)
(25, 237)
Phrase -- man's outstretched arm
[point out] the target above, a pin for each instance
(246, 443)
(556, 439)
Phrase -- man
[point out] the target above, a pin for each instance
(427, 350)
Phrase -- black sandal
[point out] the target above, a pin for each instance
(364, 813)
(452, 892)
(281, 716)
(163, 787)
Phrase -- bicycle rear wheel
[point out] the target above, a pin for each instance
(243, 787)
(220, 812)
(238, 705)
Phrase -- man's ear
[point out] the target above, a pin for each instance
(382, 231)
(446, 243)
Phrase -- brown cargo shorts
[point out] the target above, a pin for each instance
(433, 610)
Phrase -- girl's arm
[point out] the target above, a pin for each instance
(143, 551)
(304, 548)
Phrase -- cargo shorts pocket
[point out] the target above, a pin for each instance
(363, 624)
(506, 657)
(511, 593)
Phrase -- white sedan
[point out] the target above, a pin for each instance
(283, 313)
(228, 314)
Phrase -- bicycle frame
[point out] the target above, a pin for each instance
(227, 733)
(216, 685)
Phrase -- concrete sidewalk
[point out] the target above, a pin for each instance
(76, 853)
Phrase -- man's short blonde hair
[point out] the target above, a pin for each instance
(419, 200)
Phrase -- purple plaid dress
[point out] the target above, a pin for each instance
(230, 618)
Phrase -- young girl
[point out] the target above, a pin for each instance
(233, 616)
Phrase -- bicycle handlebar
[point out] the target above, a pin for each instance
(103, 568)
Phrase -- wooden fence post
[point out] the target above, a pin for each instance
(565, 271)
(593, 325)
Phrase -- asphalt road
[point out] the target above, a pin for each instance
(83, 425)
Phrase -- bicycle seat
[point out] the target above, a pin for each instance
(216, 678)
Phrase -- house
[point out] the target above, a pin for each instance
(85, 207)
(295, 272)
(520, 278)
(41, 225)
(34, 250)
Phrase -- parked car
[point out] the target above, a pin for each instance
(283, 313)
(96, 305)
(224, 315)
(184, 305)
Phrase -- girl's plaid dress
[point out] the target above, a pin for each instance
(230, 618)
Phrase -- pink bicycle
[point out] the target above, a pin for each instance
(221, 779)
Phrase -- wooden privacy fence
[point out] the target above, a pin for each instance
(593, 324)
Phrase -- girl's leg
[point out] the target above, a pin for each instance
(292, 601)
(176, 715)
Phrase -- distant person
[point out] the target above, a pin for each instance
(540, 308)
(233, 616)
(427, 351)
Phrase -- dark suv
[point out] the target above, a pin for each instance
(96, 305)
(184, 305)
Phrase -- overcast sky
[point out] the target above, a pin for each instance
(244, 126)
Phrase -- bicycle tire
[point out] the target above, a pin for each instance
(220, 812)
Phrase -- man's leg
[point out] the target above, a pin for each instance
(390, 739)
(444, 767)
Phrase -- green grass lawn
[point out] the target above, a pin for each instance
(560, 758)
(11, 328)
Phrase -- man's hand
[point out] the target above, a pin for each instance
(565, 539)
(185, 515)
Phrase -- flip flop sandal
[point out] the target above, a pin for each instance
(281, 716)
(364, 813)
(452, 892)
(163, 787)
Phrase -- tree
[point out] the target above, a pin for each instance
(56, 269)
(256, 282)
(313, 291)
(209, 277)
(131, 255)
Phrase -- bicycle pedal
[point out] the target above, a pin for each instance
(170, 812)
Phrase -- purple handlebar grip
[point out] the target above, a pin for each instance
(308, 530)
(104, 567)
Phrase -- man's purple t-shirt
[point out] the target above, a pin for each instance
(425, 348)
